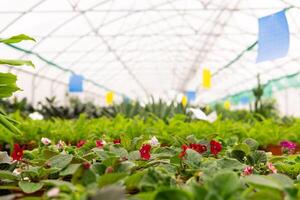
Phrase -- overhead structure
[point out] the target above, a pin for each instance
(139, 48)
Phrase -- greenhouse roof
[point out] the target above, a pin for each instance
(140, 48)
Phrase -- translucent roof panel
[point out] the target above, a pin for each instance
(140, 48)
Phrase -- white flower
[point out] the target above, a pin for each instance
(61, 144)
(154, 141)
(5, 158)
(17, 171)
(36, 116)
(212, 117)
(46, 141)
(198, 114)
(53, 192)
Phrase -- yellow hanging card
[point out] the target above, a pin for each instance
(109, 98)
(206, 78)
(227, 105)
(184, 101)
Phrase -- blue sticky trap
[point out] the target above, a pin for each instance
(273, 38)
(76, 83)
(191, 95)
(245, 100)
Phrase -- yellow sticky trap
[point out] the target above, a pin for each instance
(184, 101)
(227, 105)
(109, 98)
(206, 78)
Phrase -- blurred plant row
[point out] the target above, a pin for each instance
(267, 131)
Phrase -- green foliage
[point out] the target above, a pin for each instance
(16, 39)
(91, 172)
(30, 187)
(8, 81)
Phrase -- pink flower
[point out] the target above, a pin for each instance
(53, 192)
(80, 143)
(248, 171)
(288, 146)
(100, 143)
(61, 144)
(272, 168)
(86, 165)
(46, 141)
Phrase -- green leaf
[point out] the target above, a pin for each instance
(89, 177)
(119, 151)
(71, 169)
(212, 195)
(30, 187)
(225, 183)
(108, 179)
(98, 168)
(257, 157)
(242, 147)
(265, 194)
(125, 166)
(193, 158)
(16, 39)
(283, 180)
(16, 62)
(239, 155)
(134, 155)
(253, 144)
(7, 85)
(109, 193)
(60, 161)
(7, 175)
(132, 182)
(59, 183)
(230, 164)
(174, 194)
(262, 181)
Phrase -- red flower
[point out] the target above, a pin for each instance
(215, 147)
(117, 141)
(198, 147)
(80, 143)
(86, 165)
(99, 143)
(184, 148)
(145, 151)
(17, 153)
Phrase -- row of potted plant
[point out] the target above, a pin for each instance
(207, 168)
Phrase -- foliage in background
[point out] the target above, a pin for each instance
(8, 81)
(50, 108)
(265, 108)
(267, 131)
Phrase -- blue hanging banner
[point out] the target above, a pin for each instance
(76, 83)
(273, 38)
(191, 95)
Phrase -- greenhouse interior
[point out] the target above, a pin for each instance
(149, 100)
